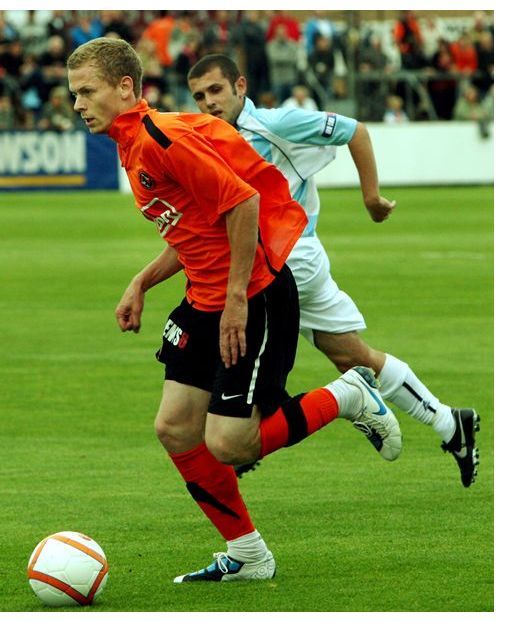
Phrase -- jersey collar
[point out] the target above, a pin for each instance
(247, 111)
(126, 125)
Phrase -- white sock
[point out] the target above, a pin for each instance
(248, 548)
(400, 385)
(348, 397)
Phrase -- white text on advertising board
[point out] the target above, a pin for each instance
(32, 153)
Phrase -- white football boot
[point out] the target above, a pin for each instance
(369, 413)
(225, 568)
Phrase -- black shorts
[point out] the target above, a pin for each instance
(190, 351)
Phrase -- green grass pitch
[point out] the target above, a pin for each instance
(350, 532)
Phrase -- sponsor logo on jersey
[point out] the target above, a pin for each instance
(175, 335)
(330, 125)
(164, 219)
(145, 180)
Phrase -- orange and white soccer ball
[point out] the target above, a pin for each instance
(66, 569)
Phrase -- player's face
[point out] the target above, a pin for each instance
(97, 101)
(214, 94)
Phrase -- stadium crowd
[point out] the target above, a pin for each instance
(408, 68)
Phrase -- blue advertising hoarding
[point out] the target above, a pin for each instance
(33, 160)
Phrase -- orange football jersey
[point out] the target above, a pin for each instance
(186, 171)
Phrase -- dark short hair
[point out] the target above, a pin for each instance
(227, 66)
(113, 58)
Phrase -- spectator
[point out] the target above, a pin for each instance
(58, 113)
(481, 24)
(33, 35)
(268, 100)
(7, 31)
(291, 24)
(352, 45)
(282, 54)
(408, 38)
(32, 85)
(58, 25)
(27, 121)
(464, 55)
(218, 37)
(300, 98)
(318, 25)
(181, 30)
(7, 116)
(372, 56)
(159, 32)
(442, 88)
(485, 62)
(468, 106)
(371, 88)
(430, 35)
(113, 21)
(394, 111)
(322, 62)
(153, 70)
(165, 102)
(251, 41)
(53, 66)
(11, 59)
(85, 30)
(488, 104)
(189, 55)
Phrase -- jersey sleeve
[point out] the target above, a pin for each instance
(309, 127)
(203, 173)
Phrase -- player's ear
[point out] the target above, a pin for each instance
(241, 86)
(126, 87)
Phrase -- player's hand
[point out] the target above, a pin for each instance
(233, 330)
(130, 308)
(380, 208)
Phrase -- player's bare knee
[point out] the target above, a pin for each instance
(164, 432)
(221, 450)
(229, 450)
(162, 429)
(175, 437)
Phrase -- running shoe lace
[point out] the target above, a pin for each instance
(223, 561)
(367, 425)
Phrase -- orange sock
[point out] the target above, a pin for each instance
(213, 486)
(296, 419)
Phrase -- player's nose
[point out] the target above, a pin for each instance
(78, 105)
(210, 102)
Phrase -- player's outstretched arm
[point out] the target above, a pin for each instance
(130, 308)
(363, 156)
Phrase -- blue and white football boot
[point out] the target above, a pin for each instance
(372, 416)
(225, 568)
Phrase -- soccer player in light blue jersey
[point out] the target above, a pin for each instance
(300, 143)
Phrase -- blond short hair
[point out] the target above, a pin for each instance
(114, 59)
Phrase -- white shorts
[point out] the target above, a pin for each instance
(323, 306)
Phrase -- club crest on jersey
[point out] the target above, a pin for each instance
(146, 180)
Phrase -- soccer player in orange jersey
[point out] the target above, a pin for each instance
(228, 220)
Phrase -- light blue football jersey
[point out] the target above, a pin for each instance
(299, 143)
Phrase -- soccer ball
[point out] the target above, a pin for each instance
(66, 569)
